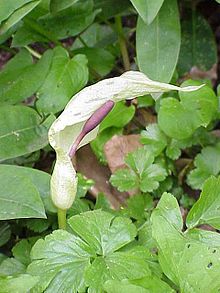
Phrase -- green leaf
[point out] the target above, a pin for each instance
(143, 173)
(99, 59)
(147, 10)
(150, 284)
(17, 14)
(66, 77)
(11, 267)
(5, 233)
(20, 284)
(183, 258)
(9, 6)
(119, 116)
(159, 42)
(21, 78)
(19, 197)
(60, 260)
(206, 209)
(57, 5)
(179, 120)
(71, 21)
(40, 180)
(207, 163)
(124, 180)
(119, 266)
(104, 232)
(110, 8)
(154, 138)
(21, 251)
(23, 130)
(68, 260)
(198, 46)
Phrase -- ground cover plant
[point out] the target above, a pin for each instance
(109, 146)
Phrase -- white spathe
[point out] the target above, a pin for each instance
(69, 124)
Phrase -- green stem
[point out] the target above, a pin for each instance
(33, 52)
(61, 219)
(122, 43)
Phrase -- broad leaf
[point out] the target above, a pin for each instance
(21, 78)
(206, 209)
(99, 59)
(41, 181)
(179, 119)
(198, 47)
(71, 21)
(11, 267)
(57, 5)
(9, 6)
(66, 77)
(163, 43)
(184, 258)
(207, 163)
(110, 8)
(19, 197)
(23, 130)
(17, 14)
(69, 124)
(148, 10)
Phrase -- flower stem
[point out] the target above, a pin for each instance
(33, 52)
(122, 43)
(61, 219)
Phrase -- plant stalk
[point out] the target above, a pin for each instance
(122, 43)
(61, 219)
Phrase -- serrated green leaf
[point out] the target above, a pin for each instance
(119, 265)
(70, 21)
(104, 232)
(21, 78)
(182, 257)
(207, 163)
(124, 180)
(162, 45)
(5, 233)
(20, 284)
(41, 181)
(17, 14)
(198, 46)
(206, 209)
(65, 78)
(60, 260)
(23, 130)
(179, 120)
(147, 9)
(150, 284)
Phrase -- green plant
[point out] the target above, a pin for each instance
(164, 146)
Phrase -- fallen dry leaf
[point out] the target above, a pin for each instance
(118, 147)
